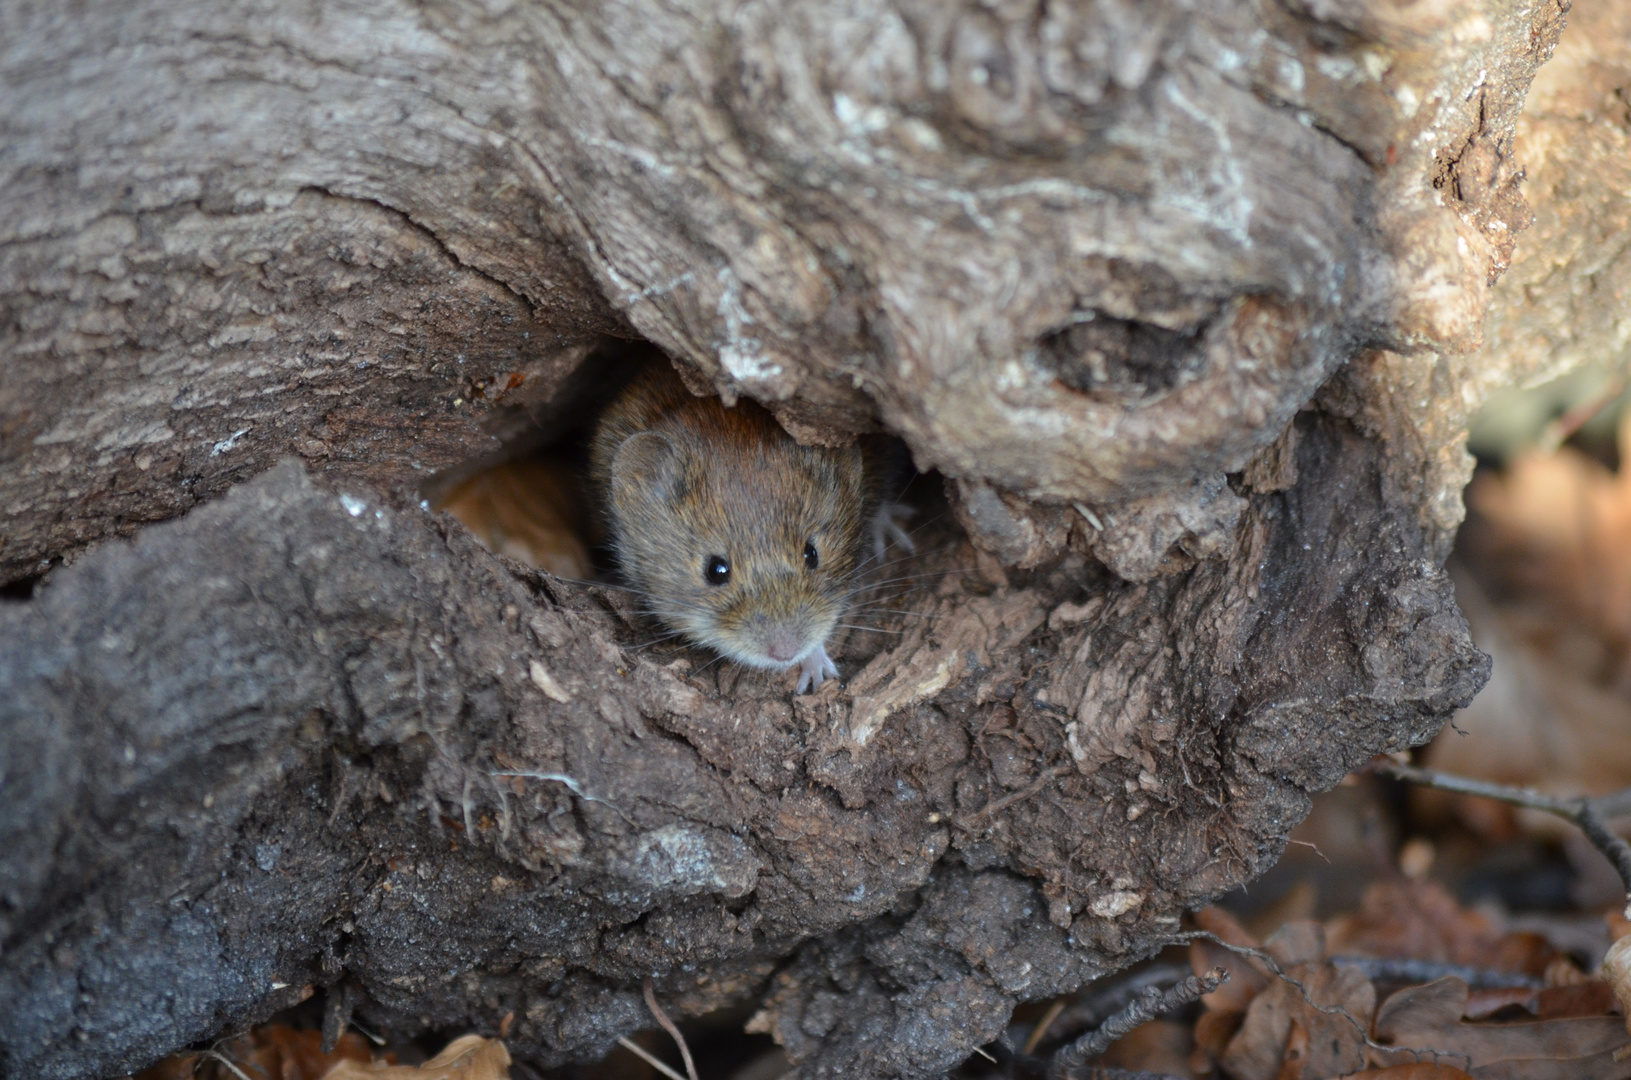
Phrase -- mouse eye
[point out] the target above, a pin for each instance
(812, 558)
(716, 570)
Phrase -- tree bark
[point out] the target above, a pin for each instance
(1179, 302)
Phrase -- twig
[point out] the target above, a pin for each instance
(1589, 815)
(1556, 433)
(1070, 1062)
(668, 1026)
(1040, 1032)
(223, 1059)
(372, 1036)
(1409, 970)
(649, 1058)
(336, 1014)
(1094, 1009)
(1109, 1072)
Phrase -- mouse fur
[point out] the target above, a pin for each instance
(690, 485)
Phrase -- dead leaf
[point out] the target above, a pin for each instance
(174, 1067)
(1488, 1002)
(1214, 1028)
(1247, 978)
(271, 1050)
(1336, 1043)
(1225, 1007)
(1591, 998)
(1294, 1058)
(1159, 1046)
(1301, 941)
(1544, 576)
(1559, 525)
(1419, 1070)
(469, 1057)
(1422, 921)
(1427, 1019)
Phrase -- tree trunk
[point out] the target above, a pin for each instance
(1178, 302)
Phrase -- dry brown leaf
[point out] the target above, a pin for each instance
(1488, 1002)
(1246, 977)
(1420, 1070)
(469, 1057)
(1214, 1029)
(1159, 1046)
(1421, 920)
(1301, 941)
(1225, 1007)
(528, 510)
(1335, 1044)
(1547, 718)
(1294, 1058)
(1216, 920)
(1618, 925)
(1558, 526)
(174, 1067)
(1545, 582)
(1591, 998)
(271, 1050)
(1427, 1019)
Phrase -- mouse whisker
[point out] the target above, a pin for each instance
(873, 563)
(709, 664)
(890, 611)
(911, 534)
(875, 593)
(933, 575)
(658, 640)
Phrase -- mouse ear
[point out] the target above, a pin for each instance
(649, 464)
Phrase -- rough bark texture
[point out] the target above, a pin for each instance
(1173, 298)
(1563, 302)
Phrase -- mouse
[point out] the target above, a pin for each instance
(734, 535)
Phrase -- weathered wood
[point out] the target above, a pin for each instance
(1175, 299)
(1090, 254)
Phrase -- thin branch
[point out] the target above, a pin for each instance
(1107, 1072)
(223, 1059)
(1070, 1063)
(649, 1058)
(1559, 431)
(668, 1026)
(1040, 1032)
(1104, 1002)
(1589, 815)
(1410, 970)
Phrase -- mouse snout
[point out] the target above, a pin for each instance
(783, 643)
(780, 638)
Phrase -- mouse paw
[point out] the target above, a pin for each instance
(814, 670)
(887, 527)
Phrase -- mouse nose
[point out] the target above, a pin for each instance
(782, 643)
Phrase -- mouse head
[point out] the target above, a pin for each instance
(745, 544)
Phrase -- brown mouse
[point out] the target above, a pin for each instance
(734, 535)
